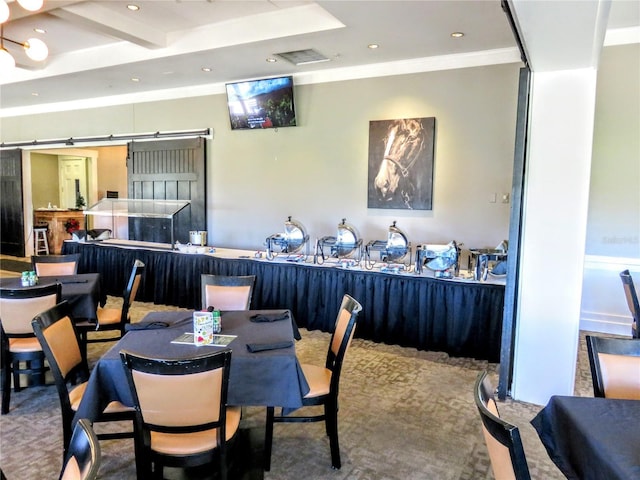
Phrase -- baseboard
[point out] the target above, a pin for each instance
(605, 323)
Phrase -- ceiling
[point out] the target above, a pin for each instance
(97, 48)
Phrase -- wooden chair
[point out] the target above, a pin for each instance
(83, 458)
(56, 332)
(110, 319)
(18, 344)
(324, 383)
(632, 301)
(615, 366)
(503, 441)
(227, 293)
(53, 265)
(182, 419)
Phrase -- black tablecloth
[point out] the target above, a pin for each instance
(592, 438)
(82, 291)
(463, 319)
(267, 378)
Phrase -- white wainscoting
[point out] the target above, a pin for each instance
(604, 307)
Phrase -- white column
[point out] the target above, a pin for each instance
(556, 200)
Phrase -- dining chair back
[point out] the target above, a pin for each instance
(615, 366)
(227, 292)
(18, 344)
(114, 319)
(52, 265)
(632, 301)
(83, 459)
(324, 383)
(508, 460)
(57, 335)
(182, 418)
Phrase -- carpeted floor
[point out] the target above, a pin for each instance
(405, 415)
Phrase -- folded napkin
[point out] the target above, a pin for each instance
(145, 326)
(269, 317)
(261, 347)
(64, 282)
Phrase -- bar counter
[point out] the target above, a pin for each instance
(460, 317)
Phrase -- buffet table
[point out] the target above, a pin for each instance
(462, 318)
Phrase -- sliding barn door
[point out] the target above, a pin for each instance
(11, 206)
(168, 170)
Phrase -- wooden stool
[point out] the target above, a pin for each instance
(41, 244)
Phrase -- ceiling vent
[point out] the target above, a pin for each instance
(303, 57)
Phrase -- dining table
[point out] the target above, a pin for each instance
(83, 292)
(592, 438)
(264, 371)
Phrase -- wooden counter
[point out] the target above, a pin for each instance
(55, 219)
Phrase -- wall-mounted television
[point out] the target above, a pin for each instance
(263, 103)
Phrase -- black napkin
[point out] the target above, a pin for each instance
(65, 282)
(261, 347)
(145, 326)
(269, 317)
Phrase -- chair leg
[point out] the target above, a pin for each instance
(6, 385)
(268, 439)
(16, 376)
(331, 422)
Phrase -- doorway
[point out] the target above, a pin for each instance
(72, 178)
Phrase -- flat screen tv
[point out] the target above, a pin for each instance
(264, 103)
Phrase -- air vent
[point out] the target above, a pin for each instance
(303, 57)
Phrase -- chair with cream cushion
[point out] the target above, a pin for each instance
(182, 418)
(632, 301)
(56, 332)
(83, 459)
(227, 292)
(324, 383)
(508, 460)
(53, 265)
(19, 346)
(615, 367)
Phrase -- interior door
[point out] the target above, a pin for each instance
(72, 174)
(11, 206)
(168, 170)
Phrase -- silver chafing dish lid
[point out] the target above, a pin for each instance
(397, 243)
(347, 234)
(296, 235)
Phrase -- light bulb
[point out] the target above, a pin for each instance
(7, 62)
(4, 11)
(31, 5)
(36, 49)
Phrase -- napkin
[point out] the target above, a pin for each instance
(269, 317)
(145, 326)
(260, 347)
(65, 282)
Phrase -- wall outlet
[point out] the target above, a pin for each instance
(505, 198)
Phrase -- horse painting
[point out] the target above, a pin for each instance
(401, 163)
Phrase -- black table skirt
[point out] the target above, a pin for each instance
(460, 318)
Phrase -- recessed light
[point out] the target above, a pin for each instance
(135, 79)
(35, 94)
(206, 69)
(133, 8)
(457, 34)
(271, 60)
(373, 46)
(39, 30)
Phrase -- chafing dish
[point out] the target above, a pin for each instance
(394, 250)
(292, 241)
(444, 260)
(485, 261)
(347, 244)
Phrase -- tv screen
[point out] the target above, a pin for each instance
(265, 103)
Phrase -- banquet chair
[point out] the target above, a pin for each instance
(18, 344)
(227, 293)
(83, 458)
(632, 301)
(508, 460)
(110, 319)
(324, 383)
(615, 367)
(52, 265)
(182, 419)
(57, 335)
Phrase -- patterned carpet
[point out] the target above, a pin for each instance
(404, 415)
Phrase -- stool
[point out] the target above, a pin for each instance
(40, 240)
